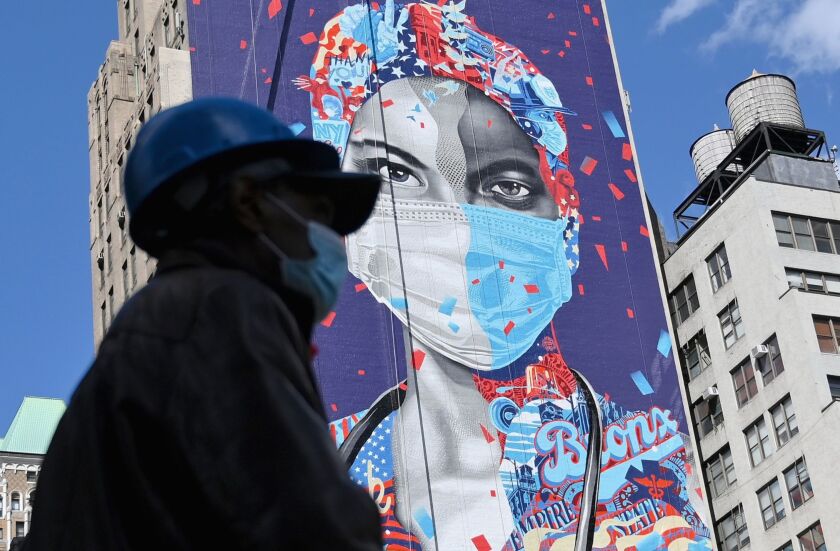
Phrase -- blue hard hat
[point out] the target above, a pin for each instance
(182, 139)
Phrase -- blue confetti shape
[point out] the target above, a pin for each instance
(664, 344)
(448, 306)
(297, 128)
(641, 383)
(454, 326)
(615, 127)
(399, 303)
(425, 522)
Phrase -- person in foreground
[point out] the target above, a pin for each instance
(199, 425)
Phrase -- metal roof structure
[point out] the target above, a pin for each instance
(763, 140)
(33, 426)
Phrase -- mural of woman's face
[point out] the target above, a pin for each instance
(445, 141)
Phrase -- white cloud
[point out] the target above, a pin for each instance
(805, 33)
(679, 10)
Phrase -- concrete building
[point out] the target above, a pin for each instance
(754, 291)
(21, 451)
(147, 69)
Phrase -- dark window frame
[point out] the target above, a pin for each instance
(720, 273)
(789, 424)
(720, 471)
(798, 483)
(727, 316)
(744, 381)
(806, 233)
(811, 532)
(696, 355)
(761, 444)
(709, 415)
(683, 301)
(832, 335)
(739, 535)
(771, 365)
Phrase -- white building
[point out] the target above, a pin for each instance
(754, 290)
(146, 70)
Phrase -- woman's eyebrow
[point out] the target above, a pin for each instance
(390, 149)
(521, 166)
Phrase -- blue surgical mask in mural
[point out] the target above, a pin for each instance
(474, 283)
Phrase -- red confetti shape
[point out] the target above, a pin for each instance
(243, 44)
(501, 264)
(360, 287)
(274, 8)
(308, 38)
(311, 12)
(509, 327)
(586, 9)
(624, 246)
(511, 279)
(492, 493)
(561, 53)
(580, 289)
(699, 492)
(630, 313)
(481, 543)
(388, 103)
(586, 126)
(403, 386)
(644, 231)
(530, 310)
(489, 123)
(476, 281)
(568, 43)
(602, 252)
(626, 152)
(589, 81)
(631, 175)
(544, 51)
(192, 49)
(328, 321)
(375, 6)
(196, 2)
(487, 435)
(361, 372)
(422, 124)
(263, 70)
(617, 193)
(572, 33)
(532, 289)
(596, 218)
(551, 15)
(333, 407)
(417, 358)
(588, 165)
(596, 22)
(268, 80)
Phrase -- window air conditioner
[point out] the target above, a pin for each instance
(759, 351)
(711, 391)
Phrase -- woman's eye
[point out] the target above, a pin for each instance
(399, 175)
(510, 190)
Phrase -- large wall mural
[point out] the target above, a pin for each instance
(508, 248)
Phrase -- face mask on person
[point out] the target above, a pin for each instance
(320, 277)
(476, 284)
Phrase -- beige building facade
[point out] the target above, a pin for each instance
(147, 69)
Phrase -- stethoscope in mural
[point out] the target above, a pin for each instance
(391, 400)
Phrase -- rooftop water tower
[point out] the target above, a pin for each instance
(710, 150)
(763, 98)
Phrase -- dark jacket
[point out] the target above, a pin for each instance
(200, 426)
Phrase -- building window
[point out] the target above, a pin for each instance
(31, 476)
(770, 501)
(798, 483)
(2, 510)
(683, 301)
(709, 415)
(696, 355)
(828, 331)
(784, 421)
(770, 365)
(758, 441)
(808, 234)
(718, 265)
(731, 324)
(834, 386)
(814, 282)
(1, 534)
(743, 377)
(732, 530)
(20, 530)
(15, 501)
(720, 470)
(812, 539)
(111, 303)
(103, 316)
(786, 547)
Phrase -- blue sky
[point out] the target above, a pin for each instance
(678, 59)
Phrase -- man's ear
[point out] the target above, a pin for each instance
(245, 203)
